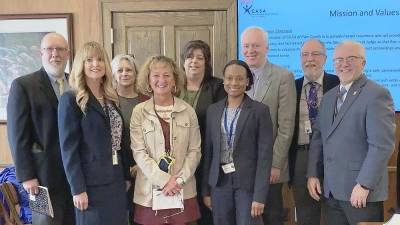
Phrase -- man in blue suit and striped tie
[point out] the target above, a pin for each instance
(354, 137)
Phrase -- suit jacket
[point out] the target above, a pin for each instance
(211, 92)
(355, 145)
(328, 82)
(252, 148)
(32, 131)
(85, 141)
(277, 91)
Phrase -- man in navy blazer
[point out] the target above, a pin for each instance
(33, 130)
(313, 58)
(354, 136)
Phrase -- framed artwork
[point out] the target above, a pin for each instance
(20, 37)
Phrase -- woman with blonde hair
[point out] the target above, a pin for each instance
(93, 144)
(165, 139)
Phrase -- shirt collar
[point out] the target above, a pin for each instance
(318, 81)
(347, 86)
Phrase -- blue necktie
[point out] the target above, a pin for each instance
(312, 102)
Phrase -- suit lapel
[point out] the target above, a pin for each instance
(329, 82)
(244, 113)
(93, 103)
(47, 88)
(351, 96)
(220, 106)
(264, 83)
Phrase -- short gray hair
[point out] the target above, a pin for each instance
(358, 45)
(263, 32)
(117, 59)
(317, 40)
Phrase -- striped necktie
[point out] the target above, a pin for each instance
(340, 100)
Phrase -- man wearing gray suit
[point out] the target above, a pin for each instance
(273, 86)
(354, 137)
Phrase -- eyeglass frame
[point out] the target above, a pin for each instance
(348, 59)
(59, 50)
(312, 54)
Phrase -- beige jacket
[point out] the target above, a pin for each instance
(147, 143)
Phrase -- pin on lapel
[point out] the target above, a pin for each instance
(355, 92)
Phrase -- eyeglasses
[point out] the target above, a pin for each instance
(59, 50)
(348, 59)
(312, 54)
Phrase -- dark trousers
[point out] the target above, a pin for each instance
(308, 210)
(342, 213)
(273, 212)
(230, 205)
(63, 208)
(206, 214)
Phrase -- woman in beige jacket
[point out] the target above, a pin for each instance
(165, 139)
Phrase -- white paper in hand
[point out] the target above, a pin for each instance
(161, 201)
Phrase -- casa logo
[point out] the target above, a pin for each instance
(252, 10)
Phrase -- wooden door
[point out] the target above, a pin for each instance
(152, 27)
(144, 34)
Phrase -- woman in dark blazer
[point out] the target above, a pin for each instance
(92, 139)
(201, 89)
(238, 152)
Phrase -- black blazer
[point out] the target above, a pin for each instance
(32, 131)
(252, 154)
(329, 81)
(85, 141)
(211, 92)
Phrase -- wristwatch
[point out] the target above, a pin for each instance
(180, 181)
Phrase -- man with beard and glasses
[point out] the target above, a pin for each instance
(310, 89)
(32, 130)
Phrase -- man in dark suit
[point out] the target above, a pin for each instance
(33, 130)
(354, 138)
(310, 89)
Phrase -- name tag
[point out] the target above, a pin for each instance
(228, 168)
(307, 127)
(114, 158)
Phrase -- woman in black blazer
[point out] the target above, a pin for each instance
(92, 139)
(238, 152)
(201, 90)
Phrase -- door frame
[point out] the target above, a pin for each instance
(108, 7)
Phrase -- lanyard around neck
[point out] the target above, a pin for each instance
(230, 130)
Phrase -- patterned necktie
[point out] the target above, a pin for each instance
(340, 100)
(61, 85)
(312, 101)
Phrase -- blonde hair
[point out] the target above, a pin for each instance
(143, 85)
(77, 77)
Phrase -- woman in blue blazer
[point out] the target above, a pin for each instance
(92, 139)
(238, 152)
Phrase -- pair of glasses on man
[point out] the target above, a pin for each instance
(348, 59)
(51, 50)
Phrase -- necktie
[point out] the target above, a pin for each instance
(312, 101)
(340, 100)
(61, 85)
